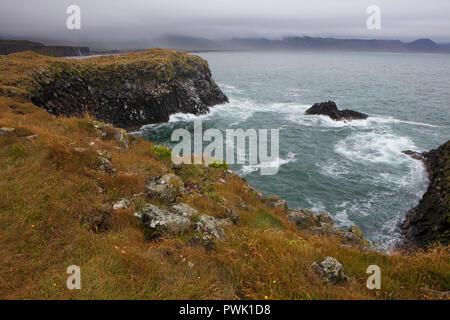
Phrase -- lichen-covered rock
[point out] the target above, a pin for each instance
(184, 210)
(205, 241)
(6, 131)
(302, 219)
(277, 203)
(212, 226)
(160, 222)
(167, 188)
(356, 231)
(122, 204)
(330, 270)
(105, 162)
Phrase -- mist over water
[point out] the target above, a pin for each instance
(353, 170)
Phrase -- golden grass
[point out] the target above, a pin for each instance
(50, 200)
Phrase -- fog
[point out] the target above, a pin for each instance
(140, 23)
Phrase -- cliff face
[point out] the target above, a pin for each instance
(12, 46)
(430, 220)
(129, 90)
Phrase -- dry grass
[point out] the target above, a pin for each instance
(51, 205)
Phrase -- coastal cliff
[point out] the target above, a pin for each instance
(430, 220)
(129, 90)
(74, 190)
(12, 46)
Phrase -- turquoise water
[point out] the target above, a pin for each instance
(354, 170)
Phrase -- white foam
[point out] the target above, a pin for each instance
(247, 169)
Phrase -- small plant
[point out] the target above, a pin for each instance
(218, 165)
(162, 151)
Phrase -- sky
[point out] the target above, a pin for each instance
(139, 22)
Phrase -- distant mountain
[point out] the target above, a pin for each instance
(302, 43)
(11, 46)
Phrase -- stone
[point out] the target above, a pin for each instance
(6, 131)
(356, 231)
(330, 109)
(121, 204)
(184, 210)
(204, 241)
(105, 162)
(330, 270)
(212, 226)
(167, 188)
(161, 222)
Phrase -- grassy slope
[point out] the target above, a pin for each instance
(49, 193)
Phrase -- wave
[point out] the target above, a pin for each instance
(247, 169)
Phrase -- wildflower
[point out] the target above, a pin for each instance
(54, 284)
(266, 297)
(274, 281)
(32, 225)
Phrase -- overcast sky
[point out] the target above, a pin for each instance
(140, 21)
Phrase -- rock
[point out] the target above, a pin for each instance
(135, 90)
(330, 109)
(184, 210)
(234, 216)
(167, 188)
(323, 224)
(105, 159)
(6, 131)
(212, 226)
(330, 270)
(356, 231)
(161, 222)
(122, 204)
(277, 203)
(204, 241)
(429, 221)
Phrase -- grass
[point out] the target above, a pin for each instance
(55, 211)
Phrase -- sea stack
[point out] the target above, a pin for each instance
(330, 109)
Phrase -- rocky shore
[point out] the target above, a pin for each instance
(430, 220)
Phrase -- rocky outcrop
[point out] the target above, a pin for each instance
(330, 109)
(167, 188)
(128, 90)
(323, 224)
(430, 220)
(330, 270)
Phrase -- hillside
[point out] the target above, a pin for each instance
(77, 191)
(12, 46)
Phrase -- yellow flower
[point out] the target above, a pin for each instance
(32, 225)
(54, 284)
(274, 281)
(266, 297)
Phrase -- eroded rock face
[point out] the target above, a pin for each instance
(131, 90)
(430, 220)
(330, 109)
(167, 188)
(330, 270)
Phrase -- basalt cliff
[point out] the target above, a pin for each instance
(430, 220)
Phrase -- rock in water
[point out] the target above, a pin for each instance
(430, 220)
(330, 270)
(330, 109)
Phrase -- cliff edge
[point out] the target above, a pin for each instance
(430, 220)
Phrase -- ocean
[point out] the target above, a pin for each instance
(353, 170)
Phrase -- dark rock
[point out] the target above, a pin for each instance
(430, 220)
(330, 109)
(204, 241)
(130, 93)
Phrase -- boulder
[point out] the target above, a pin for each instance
(122, 204)
(330, 109)
(184, 210)
(167, 188)
(330, 270)
(212, 226)
(160, 222)
(6, 131)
